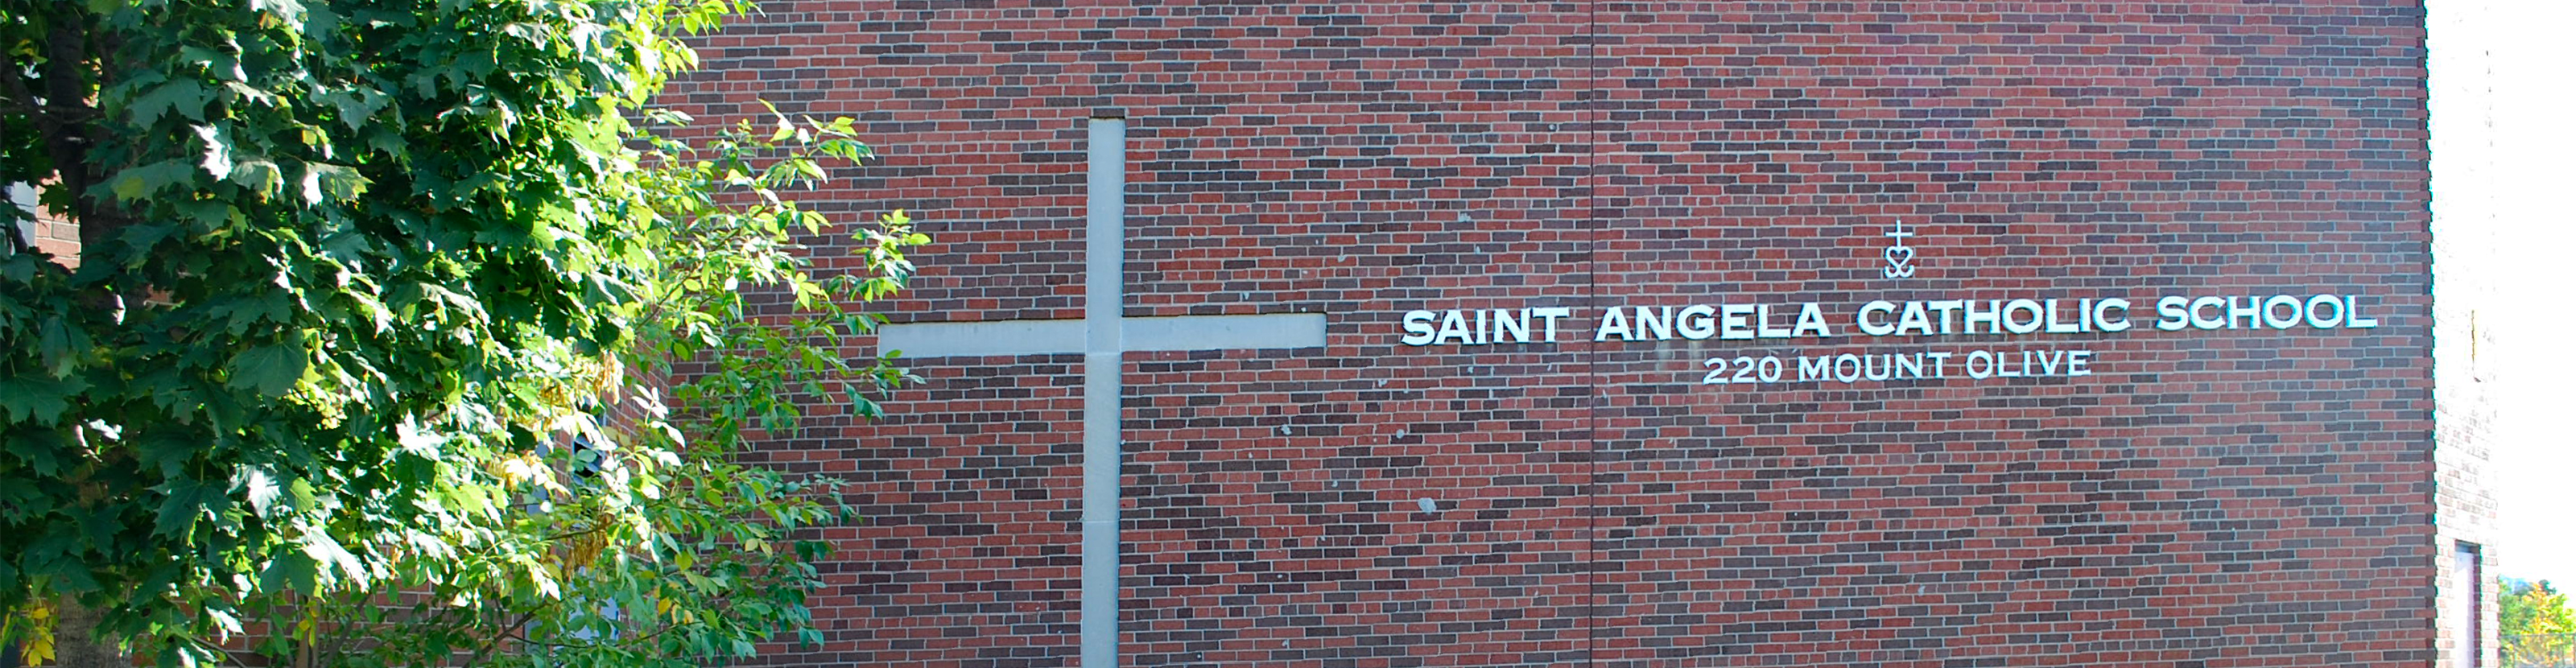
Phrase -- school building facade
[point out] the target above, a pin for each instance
(1934, 334)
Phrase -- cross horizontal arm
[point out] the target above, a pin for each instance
(1046, 337)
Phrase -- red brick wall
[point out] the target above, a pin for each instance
(60, 238)
(51, 234)
(2228, 498)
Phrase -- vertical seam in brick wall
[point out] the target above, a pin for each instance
(1592, 354)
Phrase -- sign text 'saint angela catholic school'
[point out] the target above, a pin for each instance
(2029, 315)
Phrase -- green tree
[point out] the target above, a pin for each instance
(2533, 607)
(2535, 625)
(366, 353)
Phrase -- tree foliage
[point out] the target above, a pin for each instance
(2536, 627)
(361, 354)
(2533, 607)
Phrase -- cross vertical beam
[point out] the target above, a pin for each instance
(1104, 294)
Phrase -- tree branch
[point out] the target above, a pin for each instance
(67, 44)
(506, 632)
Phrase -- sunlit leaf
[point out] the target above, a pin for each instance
(218, 160)
(258, 487)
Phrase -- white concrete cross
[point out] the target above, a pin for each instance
(1102, 336)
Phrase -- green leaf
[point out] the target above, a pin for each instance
(185, 96)
(270, 370)
(141, 236)
(43, 451)
(137, 183)
(261, 176)
(207, 214)
(167, 451)
(57, 342)
(36, 398)
(299, 494)
(338, 183)
(356, 105)
(291, 570)
(189, 501)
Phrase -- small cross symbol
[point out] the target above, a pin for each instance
(1900, 258)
